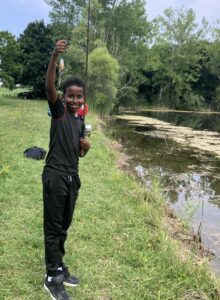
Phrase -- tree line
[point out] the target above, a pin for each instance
(171, 61)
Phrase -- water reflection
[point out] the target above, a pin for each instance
(190, 179)
(197, 121)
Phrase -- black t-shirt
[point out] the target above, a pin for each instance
(65, 133)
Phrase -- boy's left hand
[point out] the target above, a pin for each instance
(84, 146)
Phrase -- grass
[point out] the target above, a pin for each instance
(116, 245)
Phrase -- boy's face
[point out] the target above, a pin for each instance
(74, 97)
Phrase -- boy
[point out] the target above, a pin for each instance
(60, 178)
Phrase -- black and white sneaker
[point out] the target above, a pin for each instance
(55, 288)
(68, 279)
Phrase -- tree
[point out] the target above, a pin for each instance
(103, 79)
(76, 52)
(36, 45)
(170, 61)
(176, 43)
(127, 35)
(66, 11)
(207, 81)
(65, 15)
(122, 28)
(10, 69)
(215, 68)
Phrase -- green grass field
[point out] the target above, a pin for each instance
(116, 244)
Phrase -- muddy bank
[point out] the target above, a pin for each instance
(201, 140)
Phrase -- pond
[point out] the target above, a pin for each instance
(195, 120)
(190, 178)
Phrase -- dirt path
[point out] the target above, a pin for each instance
(207, 141)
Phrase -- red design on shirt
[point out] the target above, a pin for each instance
(82, 111)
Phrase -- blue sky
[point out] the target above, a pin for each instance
(16, 14)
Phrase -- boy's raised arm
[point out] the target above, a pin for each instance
(51, 91)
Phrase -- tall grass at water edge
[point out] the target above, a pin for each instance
(116, 245)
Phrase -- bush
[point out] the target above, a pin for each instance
(103, 79)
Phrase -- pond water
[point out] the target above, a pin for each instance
(197, 121)
(190, 179)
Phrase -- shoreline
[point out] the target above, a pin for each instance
(170, 110)
(189, 241)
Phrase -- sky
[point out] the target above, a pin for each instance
(16, 14)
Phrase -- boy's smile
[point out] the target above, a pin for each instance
(74, 97)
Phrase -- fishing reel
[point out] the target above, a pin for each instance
(88, 129)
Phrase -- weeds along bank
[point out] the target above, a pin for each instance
(120, 249)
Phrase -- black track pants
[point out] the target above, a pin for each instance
(59, 195)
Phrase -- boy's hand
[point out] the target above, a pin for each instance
(51, 91)
(60, 47)
(84, 146)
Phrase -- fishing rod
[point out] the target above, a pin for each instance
(87, 128)
(87, 46)
(61, 66)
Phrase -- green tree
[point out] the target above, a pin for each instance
(168, 61)
(127, 35)
(10, 69)
(76, 54)
(121, 27)
(215, 68)
(66, 11)
(103, 79)
(65, 15)
(76, 34)
(176, 43)
(36, 45)
(207, 81)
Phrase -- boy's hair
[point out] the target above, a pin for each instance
(73, 81)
